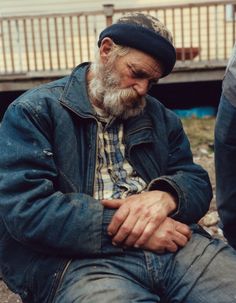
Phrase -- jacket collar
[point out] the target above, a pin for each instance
(75, 95)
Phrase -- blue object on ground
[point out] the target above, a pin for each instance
(198, 112)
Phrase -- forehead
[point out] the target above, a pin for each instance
(144, 62)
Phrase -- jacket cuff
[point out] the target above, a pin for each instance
(107, 247)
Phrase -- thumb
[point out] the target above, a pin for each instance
(115, 203)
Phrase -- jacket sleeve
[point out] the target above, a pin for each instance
(183, 178)
(225, 152)
(225, 164)
(228, 84)
(34, 212)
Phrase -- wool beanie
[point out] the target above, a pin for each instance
(145, 33)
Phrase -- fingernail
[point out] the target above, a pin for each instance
(136, 245)
(114, 243)
(109, 233)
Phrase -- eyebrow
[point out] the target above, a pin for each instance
(143, 74)
(140, 73)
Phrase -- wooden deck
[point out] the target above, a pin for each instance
(38, 48)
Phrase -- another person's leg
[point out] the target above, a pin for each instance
(225, 166)
(202, 272)
(225, 152)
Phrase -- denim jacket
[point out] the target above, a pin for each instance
(47, 164)
(225, 153)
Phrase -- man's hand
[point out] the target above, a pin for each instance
(138, 216)
(169, 236)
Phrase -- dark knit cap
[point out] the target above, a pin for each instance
(145, 33)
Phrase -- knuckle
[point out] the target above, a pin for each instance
(142, 241)
(147, 233)
(118, 217)
(158, 217)
(125, 230)
(153, 223)
(138, 209)
(135, 233)
(168, 233)
(147, 214)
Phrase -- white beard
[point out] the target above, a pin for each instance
(115, 101)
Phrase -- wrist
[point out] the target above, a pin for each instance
(172, 202)
(170, 192)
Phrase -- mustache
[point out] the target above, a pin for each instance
(127, 96)
(124, 103)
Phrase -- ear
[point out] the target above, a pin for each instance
(105, 48)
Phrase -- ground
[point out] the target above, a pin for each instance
(201, 134)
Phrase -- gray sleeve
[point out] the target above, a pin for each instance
(229, 81)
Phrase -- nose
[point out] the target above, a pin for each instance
(141, 86)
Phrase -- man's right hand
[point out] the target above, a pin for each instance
(169, 236)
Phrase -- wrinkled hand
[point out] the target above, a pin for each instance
(169, 236)
(138, 216)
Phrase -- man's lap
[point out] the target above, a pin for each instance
(200, 272)
(121, 278)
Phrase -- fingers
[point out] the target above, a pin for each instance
(121, 226)
(182, 234)
(179, 235)
(180, 239)
(128, 224)
(171, 246)
(133, 222)
(141, 232)
(137, 239)
(117, 220)
(169, 236)
(172, 241)
(183, 229)
(115, 203)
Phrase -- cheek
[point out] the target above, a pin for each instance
(126, 82)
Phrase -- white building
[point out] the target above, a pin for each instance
(25, 7)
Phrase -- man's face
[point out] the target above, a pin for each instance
(125, 81)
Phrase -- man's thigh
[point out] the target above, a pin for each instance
(202, 272)
(104, 280)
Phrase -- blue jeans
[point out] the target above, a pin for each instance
(225, 165)
(202, 272)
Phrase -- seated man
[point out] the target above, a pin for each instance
(99, 193)
(225, 153)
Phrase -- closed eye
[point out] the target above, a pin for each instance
(139, 74)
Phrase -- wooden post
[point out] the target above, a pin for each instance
(108, 11)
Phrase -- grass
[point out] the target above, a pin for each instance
(200, 132)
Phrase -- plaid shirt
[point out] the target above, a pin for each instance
(115, 177)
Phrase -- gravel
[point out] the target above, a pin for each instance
(6, 296)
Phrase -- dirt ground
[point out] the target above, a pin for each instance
(201, 134)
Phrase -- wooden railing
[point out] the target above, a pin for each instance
(203, 32)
